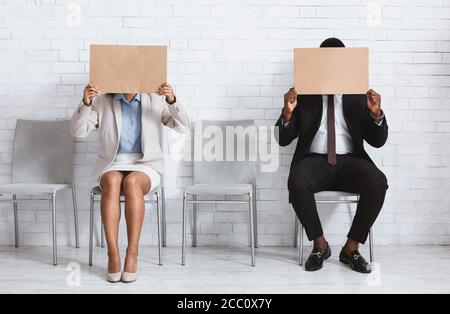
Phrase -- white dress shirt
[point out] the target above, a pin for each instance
(344, 144)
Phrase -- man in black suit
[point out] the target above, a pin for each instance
(330, 156)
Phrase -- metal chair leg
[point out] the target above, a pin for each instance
(102, 234)
(183, 248)
(75, 216)
(164, 217)
(252, 229)
(159, 222)
(102, 227)
(255, 215)
(55, 252)
(372, 257)
(296, 223)
(16, 222)
(194, 222)
(300, 249)
(91, 229)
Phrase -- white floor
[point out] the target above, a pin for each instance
(226, 270)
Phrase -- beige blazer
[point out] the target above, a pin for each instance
(105, 114)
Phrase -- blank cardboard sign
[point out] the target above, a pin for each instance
(330, 71)
(128, 69)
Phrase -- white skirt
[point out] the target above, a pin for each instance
(127, 163)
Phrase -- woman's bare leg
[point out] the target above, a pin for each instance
(134, 186)
(111, 184)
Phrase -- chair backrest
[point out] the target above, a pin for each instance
(233, 167)
(43, 152)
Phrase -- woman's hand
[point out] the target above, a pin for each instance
(167, 90)
(89, 93)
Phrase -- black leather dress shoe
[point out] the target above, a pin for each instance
(356, 262)
(315, 260)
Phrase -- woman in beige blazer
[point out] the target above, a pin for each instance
(130, 159)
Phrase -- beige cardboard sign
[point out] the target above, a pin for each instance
(128, 69)
(330, 71)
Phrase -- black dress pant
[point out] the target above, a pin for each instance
(352, 174)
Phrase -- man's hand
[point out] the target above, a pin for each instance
(374, 103)
(89, 93)
(290, 103)
(167, 90)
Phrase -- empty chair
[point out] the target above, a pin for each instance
(231, 172)
(330, 197)
(41, 166)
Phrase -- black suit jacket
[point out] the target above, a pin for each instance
(306, 120)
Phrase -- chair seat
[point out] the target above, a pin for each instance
(32, 188)
(223, 189)
(335, 194)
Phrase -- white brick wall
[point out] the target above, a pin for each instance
(233, 59)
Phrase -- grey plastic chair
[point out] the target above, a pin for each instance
(154, 197)
(221, 178)
(330, 197)
(41, 166)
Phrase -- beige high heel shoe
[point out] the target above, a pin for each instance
(129, 277)
(114, 277)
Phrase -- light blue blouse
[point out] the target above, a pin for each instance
(130, 134)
